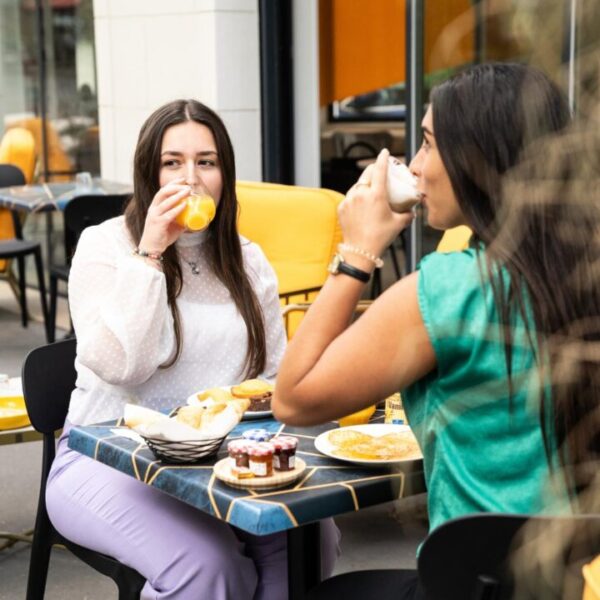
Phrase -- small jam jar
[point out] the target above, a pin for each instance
(284, 458)
(260, 458)
(257, 435)
(238, 452)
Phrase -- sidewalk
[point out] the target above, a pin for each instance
(372, 538)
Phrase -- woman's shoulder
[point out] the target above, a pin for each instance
(110, 235)
(452, 279)
(451, 261)
(253, 254)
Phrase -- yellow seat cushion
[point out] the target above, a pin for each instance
(296, 227)
(17, 148)
(455, 239)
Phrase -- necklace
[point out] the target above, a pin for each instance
(193, 266)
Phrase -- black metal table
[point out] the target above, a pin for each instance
(327, 488)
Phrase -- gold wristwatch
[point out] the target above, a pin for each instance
(339, 265)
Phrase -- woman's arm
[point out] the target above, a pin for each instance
(329, 369)
(119, 308)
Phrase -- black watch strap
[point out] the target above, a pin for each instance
(347, 269)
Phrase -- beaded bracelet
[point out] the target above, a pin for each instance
(153, 255)
(378, 262)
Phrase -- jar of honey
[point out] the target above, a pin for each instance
(260, 458)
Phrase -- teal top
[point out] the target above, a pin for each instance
(481, 451)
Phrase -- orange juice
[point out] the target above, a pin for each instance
(198, 212)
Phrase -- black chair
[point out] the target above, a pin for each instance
(18, 248)
(468, 558)
(81, 212)
(48, 379)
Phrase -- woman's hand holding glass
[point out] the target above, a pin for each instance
(161, 229)
(365, 215)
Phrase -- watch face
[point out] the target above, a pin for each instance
(334, 265)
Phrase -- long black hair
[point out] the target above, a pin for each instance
(501, 130)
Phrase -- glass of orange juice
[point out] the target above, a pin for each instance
(358, 418)
(200, 209)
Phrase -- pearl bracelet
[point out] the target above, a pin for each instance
(153, 255)
(378, 262)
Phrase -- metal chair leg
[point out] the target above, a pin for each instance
(40, 273)
(53, 302)
(22, 291)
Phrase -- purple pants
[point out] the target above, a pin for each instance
(182, 552)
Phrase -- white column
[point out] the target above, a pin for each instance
(307, 128)
(149, 52)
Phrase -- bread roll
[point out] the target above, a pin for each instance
(135, 415)
(251, 387)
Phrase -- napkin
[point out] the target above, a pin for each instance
(151, 423)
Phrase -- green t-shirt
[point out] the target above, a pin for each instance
(481, 453)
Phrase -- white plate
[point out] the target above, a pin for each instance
(249, 415)
(323, 445)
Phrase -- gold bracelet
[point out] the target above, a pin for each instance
(378, 262)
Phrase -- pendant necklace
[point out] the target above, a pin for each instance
(193, 266)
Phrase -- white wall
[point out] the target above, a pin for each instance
(307, 128)
(149, 52)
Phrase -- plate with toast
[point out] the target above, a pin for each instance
(372, 444)
(253, 394)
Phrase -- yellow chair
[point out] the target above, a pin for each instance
(455, 239)
(17, 147)
(58, 160)
(591, 575)
(297, 229)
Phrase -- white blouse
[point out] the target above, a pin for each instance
(125, 331)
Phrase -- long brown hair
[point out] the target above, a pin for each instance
(503, 133)
(225, 252)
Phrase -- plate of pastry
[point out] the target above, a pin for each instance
(372, 444)
(256, 394)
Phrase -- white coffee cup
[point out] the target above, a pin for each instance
(401, 186)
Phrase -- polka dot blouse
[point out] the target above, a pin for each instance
(125, 331)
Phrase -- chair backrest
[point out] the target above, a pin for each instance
(455, 239)
(470, 557)
(10, 225)
(83, 211)
(296, 227)
(48, 377)
(58, 159)
(17, 147)
(11, 175)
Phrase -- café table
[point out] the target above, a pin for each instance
(46, 197)
(54, 196)
(327, 487)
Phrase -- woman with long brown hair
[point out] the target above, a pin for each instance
(159, 313)
(494, 348)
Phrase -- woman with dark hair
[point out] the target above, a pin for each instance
(478, 341)
(159, 313)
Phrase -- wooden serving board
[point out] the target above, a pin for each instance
(279, 479)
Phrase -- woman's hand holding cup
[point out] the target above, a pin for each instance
(161, 230)
(365, 215)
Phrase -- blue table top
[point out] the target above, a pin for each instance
(45, 197)
(327, 488)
